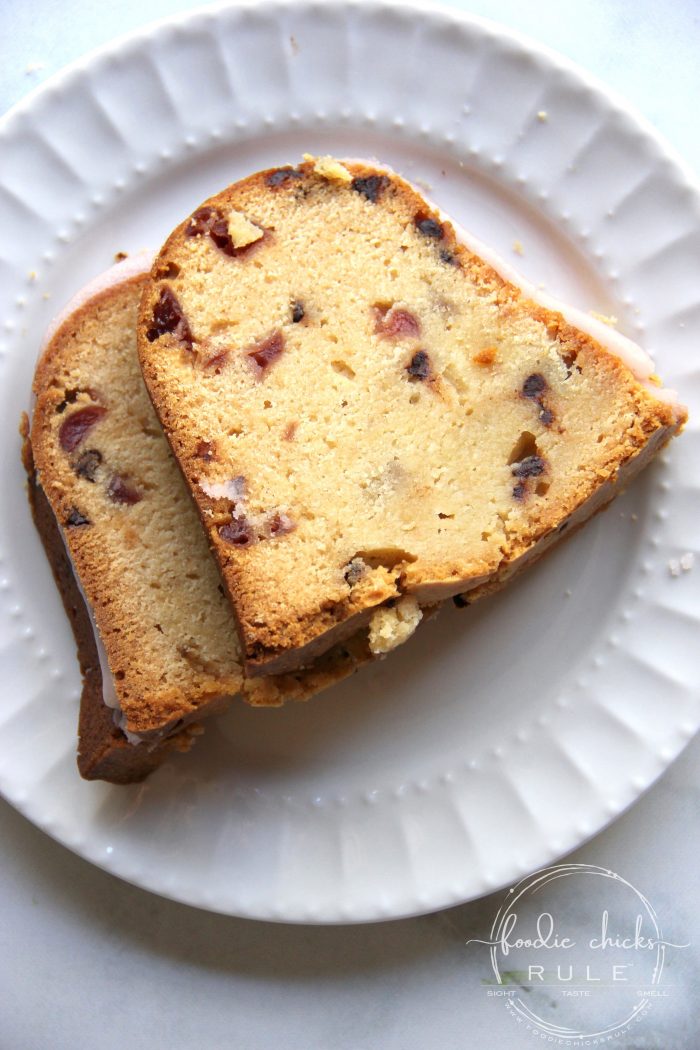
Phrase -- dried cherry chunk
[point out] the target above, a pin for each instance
(216, 363)
(371, 186)
(280, 524)
(267, 350)
(205, 450)
(211, 221)
(281, 176)
(396, 322)
(237, 532)
(218, 231)
(200, 221)
(75, 428)
(121, 491)
(169, 319)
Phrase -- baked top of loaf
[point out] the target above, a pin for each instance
(368, 415)
(132, 532)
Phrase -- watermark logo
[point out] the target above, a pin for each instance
(577, 954)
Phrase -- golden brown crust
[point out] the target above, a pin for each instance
(290, 594)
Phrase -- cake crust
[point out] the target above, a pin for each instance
(387, 420)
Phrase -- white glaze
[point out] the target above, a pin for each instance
(233, 490)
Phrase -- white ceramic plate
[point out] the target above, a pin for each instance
(501, 736)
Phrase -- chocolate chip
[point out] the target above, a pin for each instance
(371, 186)
(534, 385)
(237, 533)
(460, 601)
(169, 319)
(429, 227)
(281, 176)
(267, 350)
(78, 425)
(298, 311)
(87, 464)
(420, 365)
(121, 491)
(75, 519)
(530, 467)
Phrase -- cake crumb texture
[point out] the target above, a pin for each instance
(391, 416)
(390, 626)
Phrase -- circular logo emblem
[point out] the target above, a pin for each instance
(577, 953)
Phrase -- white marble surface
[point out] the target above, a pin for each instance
(89, 962)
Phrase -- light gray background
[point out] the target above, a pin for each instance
(87, 961)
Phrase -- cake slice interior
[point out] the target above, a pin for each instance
(370, 416)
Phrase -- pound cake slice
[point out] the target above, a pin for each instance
(155, 633)
(370, 414)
